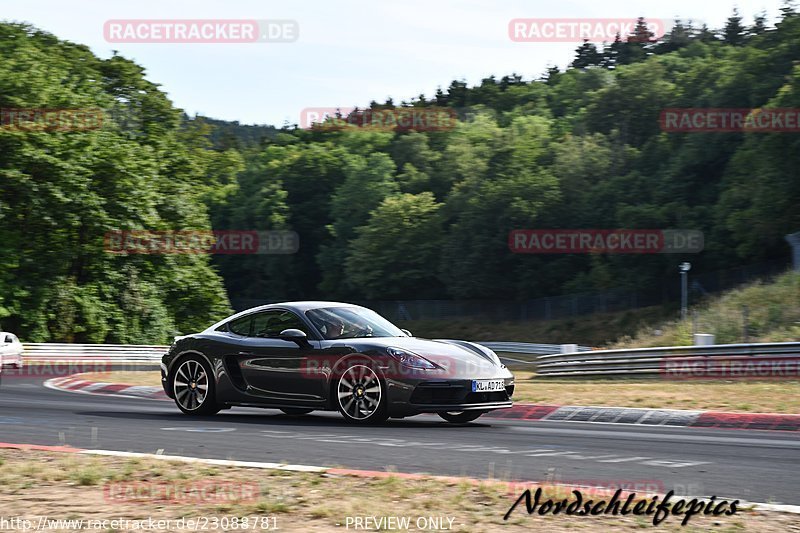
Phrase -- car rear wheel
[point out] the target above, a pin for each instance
(193, 387)
(296, 411)
(360, 395)
(461, 417)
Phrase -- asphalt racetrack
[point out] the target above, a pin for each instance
(756, 466)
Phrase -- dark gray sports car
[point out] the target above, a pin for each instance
(304, 356)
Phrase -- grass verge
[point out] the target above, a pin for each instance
(59, 486)
(735, 396)
(144, 377)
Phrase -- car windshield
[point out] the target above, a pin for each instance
(351, 322)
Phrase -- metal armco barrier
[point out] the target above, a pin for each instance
(527, 348)
(768, 360)
(116, 353)
(127, 353)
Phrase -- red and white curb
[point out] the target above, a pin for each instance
(510, 485)
(652, 417)
(553, 413)
(74, 383)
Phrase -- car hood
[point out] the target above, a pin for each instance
(459, 358)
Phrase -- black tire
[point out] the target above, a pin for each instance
(359, 393)
(295, 411)
(189, 376)
(461, 417)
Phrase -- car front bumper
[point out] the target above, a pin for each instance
(451, 395)
(451, 408)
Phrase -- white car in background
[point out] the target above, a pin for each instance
(10, 350)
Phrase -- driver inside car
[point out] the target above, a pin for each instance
(333, 327)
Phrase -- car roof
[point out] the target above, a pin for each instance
(298, 307)
(305, 306)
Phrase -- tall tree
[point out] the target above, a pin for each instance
(734, 32)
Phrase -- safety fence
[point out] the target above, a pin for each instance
(117, 353)
(756, 360)
(762, 360)
(132, 353)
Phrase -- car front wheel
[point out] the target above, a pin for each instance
(193, 387)
(360, 395)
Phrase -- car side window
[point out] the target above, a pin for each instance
(289, 320)
(241, 326)
(271, 323)
(9, 339)
(263, 323)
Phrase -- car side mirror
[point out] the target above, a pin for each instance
(294, 335)
(407, 332)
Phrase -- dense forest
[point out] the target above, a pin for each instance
(386, 214)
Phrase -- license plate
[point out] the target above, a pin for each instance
(488, 385)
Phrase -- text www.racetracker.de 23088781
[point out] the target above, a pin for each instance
(193, 523)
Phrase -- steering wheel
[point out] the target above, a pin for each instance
(366, 329)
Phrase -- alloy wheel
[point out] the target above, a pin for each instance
(359, 393)
(190, 385)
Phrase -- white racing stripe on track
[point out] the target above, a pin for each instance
(769, 507)
(678, 436)
(217, 462)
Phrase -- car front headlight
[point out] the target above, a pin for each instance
(410, 359)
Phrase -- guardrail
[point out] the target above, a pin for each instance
(118, 353)
(125, 353)
(528, 348)
(670, 362)
(720, 360)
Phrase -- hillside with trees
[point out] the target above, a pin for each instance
(387, 214)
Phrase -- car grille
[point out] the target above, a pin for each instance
(453, 393)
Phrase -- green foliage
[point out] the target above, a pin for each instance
(767, 311)
(396, 251)
(62, 191)
(387, 214)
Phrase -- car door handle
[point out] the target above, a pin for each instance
(245, 353)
